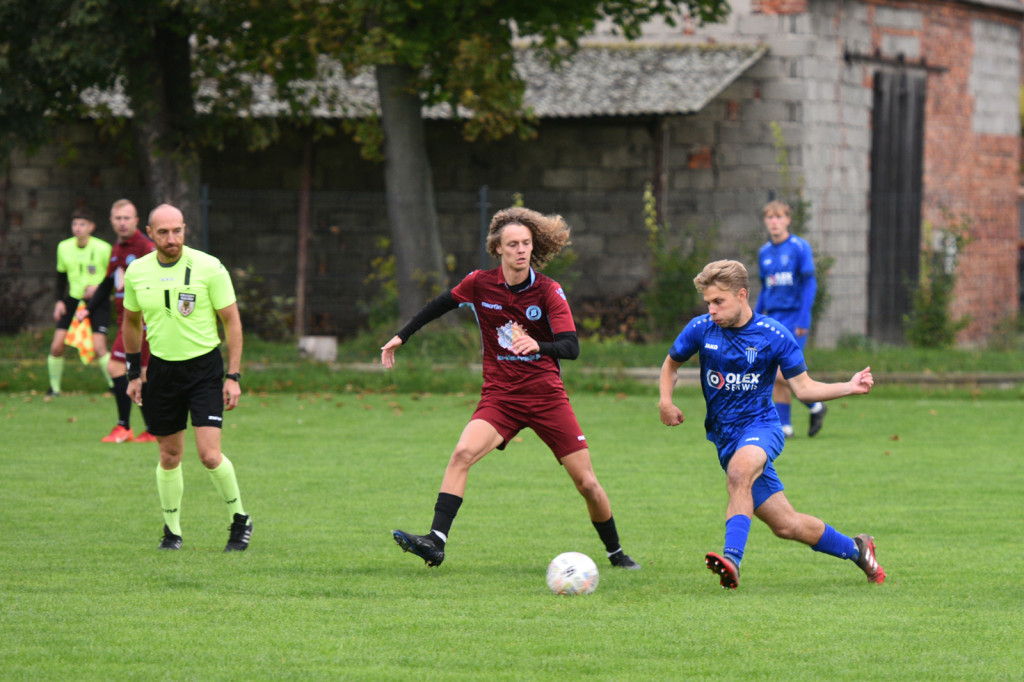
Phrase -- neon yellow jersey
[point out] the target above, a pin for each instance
(179, 302)
(85, 266)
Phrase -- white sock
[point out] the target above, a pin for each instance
(444, 538)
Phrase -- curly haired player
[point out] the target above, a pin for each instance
(526, 328)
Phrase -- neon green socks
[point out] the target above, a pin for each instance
(171, 486)
(224, 480)
(56, 370)
(104, 361)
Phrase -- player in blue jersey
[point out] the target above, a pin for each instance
(740, 352)
(788, 287)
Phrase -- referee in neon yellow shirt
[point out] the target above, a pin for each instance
(181, 292)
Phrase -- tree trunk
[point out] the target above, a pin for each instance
(419, 267)
(159, 85)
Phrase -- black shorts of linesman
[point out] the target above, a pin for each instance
(181, 292)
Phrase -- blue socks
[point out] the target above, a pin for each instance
(838, 545)
(737, 529)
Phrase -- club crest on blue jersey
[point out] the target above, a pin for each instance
(186, 303)
(751, 354)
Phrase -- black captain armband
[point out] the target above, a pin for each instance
(133, 361)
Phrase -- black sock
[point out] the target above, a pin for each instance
(609, 536)
(124, 403)
(444, 512)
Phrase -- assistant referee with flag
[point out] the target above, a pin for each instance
(181, 292)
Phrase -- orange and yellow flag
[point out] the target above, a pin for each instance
(80, 337)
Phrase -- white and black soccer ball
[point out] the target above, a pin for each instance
(572, 573)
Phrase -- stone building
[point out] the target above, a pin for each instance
(894, 116)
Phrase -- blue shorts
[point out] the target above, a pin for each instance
(771, 440)
(788, 319)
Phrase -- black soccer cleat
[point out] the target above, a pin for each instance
(622, 560)
(170, 540)
(817, 421)
(240, 533)
(423, 546)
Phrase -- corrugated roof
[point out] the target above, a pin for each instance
(601, 80)
(629, 80)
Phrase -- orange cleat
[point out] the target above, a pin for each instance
(145, 437)
(119, 434)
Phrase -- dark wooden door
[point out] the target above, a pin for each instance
(897, 156)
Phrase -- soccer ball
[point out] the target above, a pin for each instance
(572, 573)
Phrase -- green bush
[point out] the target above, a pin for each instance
(670, 299)
(930, 324)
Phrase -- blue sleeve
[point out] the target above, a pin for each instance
(807, 294)
(809, 288)
(688, 341)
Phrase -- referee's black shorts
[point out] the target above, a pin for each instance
(176, 389)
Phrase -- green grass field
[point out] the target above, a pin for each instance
(324, 593)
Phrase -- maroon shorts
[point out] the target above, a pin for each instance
(550, 416)
(117, 352)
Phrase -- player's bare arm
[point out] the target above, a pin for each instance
(670, 414)
(233, 330)
(809, 390)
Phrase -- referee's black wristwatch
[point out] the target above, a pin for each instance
(234, 376)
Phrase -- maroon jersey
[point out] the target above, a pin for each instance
(540, 311)
(123, 253)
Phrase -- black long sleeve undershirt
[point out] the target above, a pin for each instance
(566, 345)
(62, 285)
(101, 294)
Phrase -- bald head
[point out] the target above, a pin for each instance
(167, 230)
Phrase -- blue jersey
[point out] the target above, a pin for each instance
(737, 371)
(788, 284)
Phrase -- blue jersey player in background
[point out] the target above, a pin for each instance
(740, 352)
(788, 287)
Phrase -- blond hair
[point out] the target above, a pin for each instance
(728, 275)
(550, 233)
(775, 208)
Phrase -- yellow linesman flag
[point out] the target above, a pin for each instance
(80, 337)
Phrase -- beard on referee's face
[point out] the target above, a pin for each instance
(167, 230)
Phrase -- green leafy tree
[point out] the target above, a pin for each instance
(150, 66)
(460, 54)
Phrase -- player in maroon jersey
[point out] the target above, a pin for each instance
(526, 328)
(131, 243)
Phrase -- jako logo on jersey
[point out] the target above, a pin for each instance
(560, 293)
(732, 381)
(492, 306)
(711, 346)
(533, 312)
(780, 279)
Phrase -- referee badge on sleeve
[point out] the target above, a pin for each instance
(186, 303)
